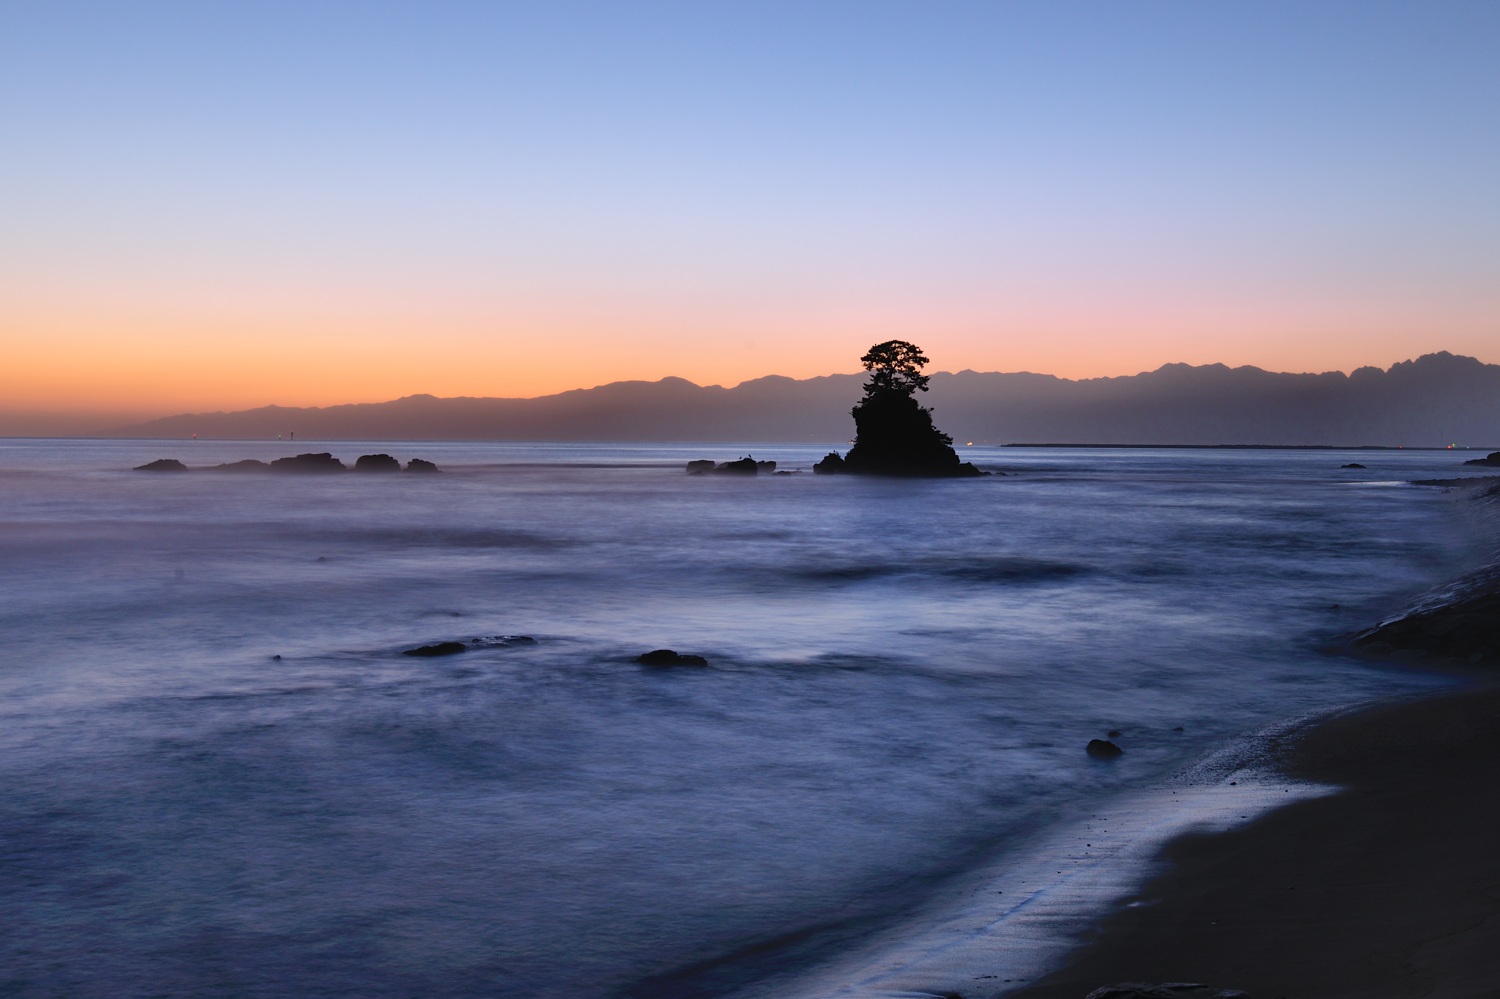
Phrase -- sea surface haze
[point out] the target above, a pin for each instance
(220, 776)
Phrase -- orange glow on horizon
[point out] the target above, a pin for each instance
(154, 363)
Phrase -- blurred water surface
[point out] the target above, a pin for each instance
(902, 677)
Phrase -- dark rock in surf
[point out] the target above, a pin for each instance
(766, 467)
(1352, 464)
(666, 657)
(700, 467)
(1103, 749)
(161, 465)
(501, 641)
(247, 465)
(1493, 458)
(440, 649)
(745, 466)
(832, 464)
(376, 463)
(420, 465)
(320, 463)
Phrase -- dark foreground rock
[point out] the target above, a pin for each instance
(420, 465)
(701, 467)
(1492, 459)
(376, 463)
(832, 464)
(310, 463)
(1103, 749)
(666, 657)
(440, 649)
(162, 465)
(1461, 622)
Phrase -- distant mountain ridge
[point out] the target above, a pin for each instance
(1435, 400)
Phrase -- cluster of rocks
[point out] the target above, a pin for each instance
(319, 463)
(1492, 459)
(744, 466)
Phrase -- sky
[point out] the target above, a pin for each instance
(221, 205)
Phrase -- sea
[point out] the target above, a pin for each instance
(221, 775)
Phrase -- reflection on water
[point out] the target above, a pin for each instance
(902, 677)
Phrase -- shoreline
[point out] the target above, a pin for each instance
(1388, 888)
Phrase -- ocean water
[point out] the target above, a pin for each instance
(219, 776)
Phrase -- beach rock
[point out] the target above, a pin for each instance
(319, 463)
(1103, 749)
(1493, 458)
(440, 649)
(830, 465)
(700, 467)
(376, 463)
(745, 466)
(666, 657)
(247, 465)
(162, 465)
(1352, 464)
(420, 465)
(1459, 622)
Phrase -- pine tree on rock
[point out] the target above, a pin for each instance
(894, 434)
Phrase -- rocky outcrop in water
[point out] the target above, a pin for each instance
(666, 657)
(420, 465)
(1103, 749)
(308, 464)
(162, 465)
(438, 649)
(376, 463)
(1492, 459)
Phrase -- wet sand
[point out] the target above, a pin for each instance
(1390, 888)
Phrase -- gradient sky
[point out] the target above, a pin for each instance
(217, 206)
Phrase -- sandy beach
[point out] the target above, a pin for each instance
(1390, 888)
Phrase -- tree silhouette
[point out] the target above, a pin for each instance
(894, 435)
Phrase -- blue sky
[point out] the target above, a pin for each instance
(582, 191)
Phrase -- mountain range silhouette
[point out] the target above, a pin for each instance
(1433, 401)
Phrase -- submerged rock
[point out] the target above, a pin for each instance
(420, 465)
(161, 465)
(1103, 749)
(376, 463)
(1352, 464)
(304, 463)
(666, 657)
(440, 649)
